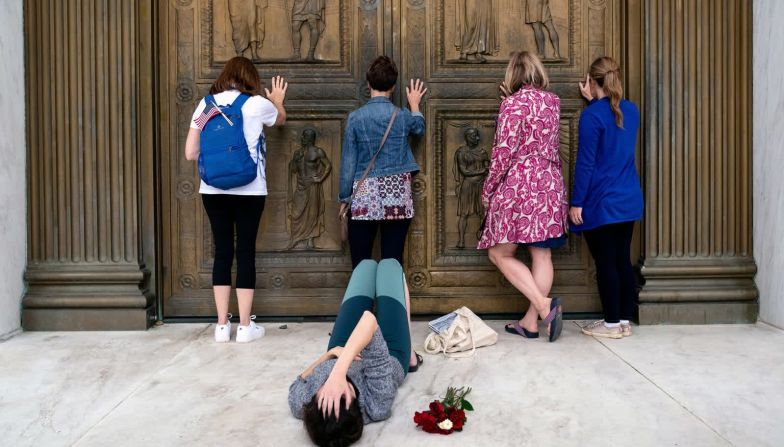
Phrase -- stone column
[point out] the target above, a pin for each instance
(88, 135)
(698, 264)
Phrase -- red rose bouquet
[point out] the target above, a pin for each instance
(445, 416)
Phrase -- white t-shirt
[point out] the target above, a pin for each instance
(257, 112)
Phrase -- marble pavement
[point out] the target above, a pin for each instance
(171, 386)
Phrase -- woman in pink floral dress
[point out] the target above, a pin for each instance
(524, 192)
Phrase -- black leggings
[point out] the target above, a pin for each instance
(225, 213)
(362, 234)
(610, 246)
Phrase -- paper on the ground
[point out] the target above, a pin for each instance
(441, 324)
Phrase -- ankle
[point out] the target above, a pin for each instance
(544, 308)
(223, 320)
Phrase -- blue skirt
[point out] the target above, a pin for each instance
(552, 243)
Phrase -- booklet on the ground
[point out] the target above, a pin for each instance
(441, 324)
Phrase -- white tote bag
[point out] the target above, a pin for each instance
(466, 333)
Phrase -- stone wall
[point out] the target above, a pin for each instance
(769, 157)
(13, 212)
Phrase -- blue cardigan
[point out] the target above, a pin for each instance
(606, 184)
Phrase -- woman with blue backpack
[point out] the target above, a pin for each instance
(226, 136)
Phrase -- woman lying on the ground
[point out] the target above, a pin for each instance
(355, 381)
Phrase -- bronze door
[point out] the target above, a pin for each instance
(459, 47)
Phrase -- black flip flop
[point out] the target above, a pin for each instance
(555, 319)
(420, 360)
(515, 328)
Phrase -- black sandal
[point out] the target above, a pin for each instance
(515, 328)
(420, 360)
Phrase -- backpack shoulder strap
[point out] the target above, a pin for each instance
(240, 101)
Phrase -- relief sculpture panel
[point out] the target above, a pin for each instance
(302, 180)
(274, 31)
(309, 168)
(470, 166)
(482, 31)
(459, 48)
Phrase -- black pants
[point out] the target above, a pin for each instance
(362, 235)
(227, 213)
(610, 246)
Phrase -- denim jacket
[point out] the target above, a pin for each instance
(364, 131)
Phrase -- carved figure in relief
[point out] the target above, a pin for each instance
(310, 13)
(470, 169)
(538, 15)
(247, 27)
(476, 29)
(308, 169)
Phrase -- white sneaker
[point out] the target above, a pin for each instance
(223, 331)
(246, 334)
(598, 329)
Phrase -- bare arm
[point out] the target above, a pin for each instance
(277, 95)
(324, 357)
(358, 340)
(192, 144)
(415, 91)
(337, 385)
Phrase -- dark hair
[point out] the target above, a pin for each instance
(238, 74)
(382, 74)
(332, 432)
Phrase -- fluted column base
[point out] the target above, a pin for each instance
(86, 298)
(699, 291)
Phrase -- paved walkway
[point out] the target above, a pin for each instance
(171, 386)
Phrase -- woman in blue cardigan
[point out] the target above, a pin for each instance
(607, 198)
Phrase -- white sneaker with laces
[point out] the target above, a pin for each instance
(246, 334)
(223, 331)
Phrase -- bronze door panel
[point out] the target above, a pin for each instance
(302, 267)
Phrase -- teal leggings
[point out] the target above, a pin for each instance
(380, 284)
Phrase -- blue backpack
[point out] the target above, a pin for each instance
(224, 159)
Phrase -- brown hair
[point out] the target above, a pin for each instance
(525, 69)
(607, 74)
(382, 74)
(238, 74)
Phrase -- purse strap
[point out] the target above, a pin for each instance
(442, 343)
(375, 156)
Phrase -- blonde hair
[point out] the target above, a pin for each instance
(525, 69)
(607, 74)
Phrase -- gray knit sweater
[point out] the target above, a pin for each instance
(376, 378)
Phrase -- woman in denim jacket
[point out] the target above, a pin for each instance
(384, 202)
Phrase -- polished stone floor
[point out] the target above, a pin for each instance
(172, 386)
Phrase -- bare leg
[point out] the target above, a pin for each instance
(502, 255)
(245, 300)
(539, 35)
(542, 271)
(222, 295)
(553, 38)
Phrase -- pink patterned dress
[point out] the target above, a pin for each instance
(524, 189)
